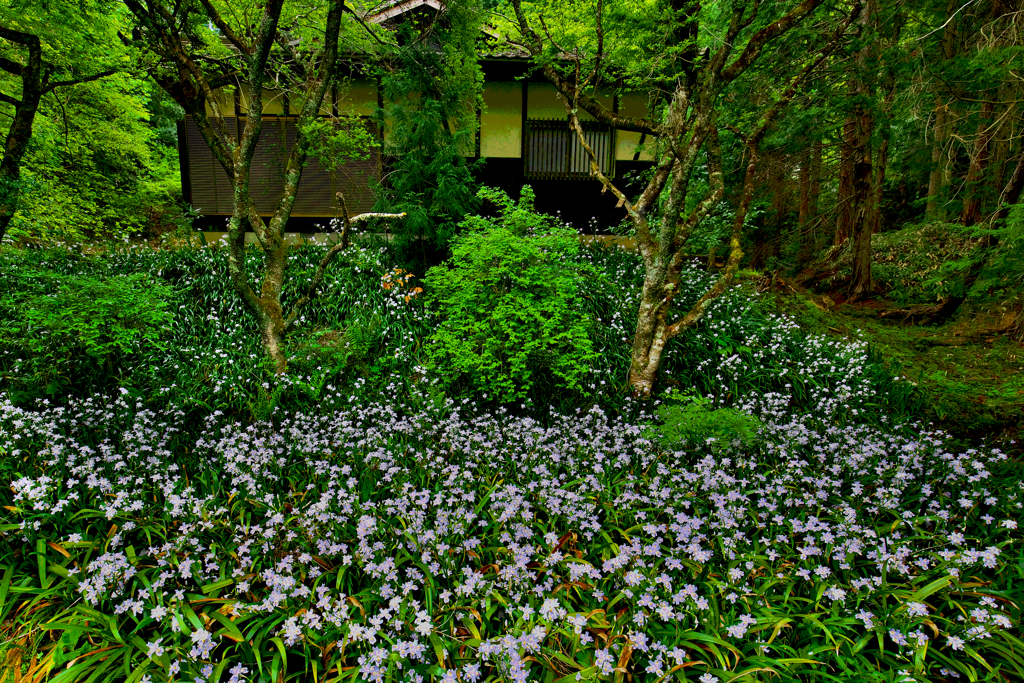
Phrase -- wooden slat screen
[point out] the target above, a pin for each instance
(266, 174)
(212, 193)
(316, 188)
(552, 151)
(211, 188)
(357, 178)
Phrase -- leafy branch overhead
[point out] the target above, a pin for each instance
(35, 50)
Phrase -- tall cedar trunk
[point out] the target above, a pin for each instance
(863, 204)
(804, 203)
(941, 171)
(878, 180)
(847, 159)
(1002, 149)
(862, 200)
(811, 228)
(974, 187)
(810, 190)
(817, 151)
(938, 179)
(780, 186)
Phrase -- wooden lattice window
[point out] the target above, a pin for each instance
(552, 150)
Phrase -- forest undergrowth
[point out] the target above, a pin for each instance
(782, 511)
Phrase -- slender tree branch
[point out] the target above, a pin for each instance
(9, 100)
(600, 41)
(49, 87)
(588, 103)
(362, 22)
(766, 35)
(551, 39)
(595, 168)
(10, 66)
(341, 246)
(223, 27)
(715, 191)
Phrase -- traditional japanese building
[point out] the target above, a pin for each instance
(523, 136)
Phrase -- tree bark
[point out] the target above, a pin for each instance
(687, 127)
(974, 186)
(862, 199)
(845, 193)
(941, 171)
(862, 202)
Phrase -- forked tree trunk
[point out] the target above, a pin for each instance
(685, 129)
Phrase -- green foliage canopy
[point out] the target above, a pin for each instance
(102, 162)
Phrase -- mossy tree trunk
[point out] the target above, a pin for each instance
(193, 81)
(686, 136)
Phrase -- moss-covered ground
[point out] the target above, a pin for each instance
(970, 370)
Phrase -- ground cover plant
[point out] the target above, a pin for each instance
(367, 544)
(966, 373)
(777, 514)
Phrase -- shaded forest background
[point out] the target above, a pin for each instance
(914, 123)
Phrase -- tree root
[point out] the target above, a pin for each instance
(913, 314)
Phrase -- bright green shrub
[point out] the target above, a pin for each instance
(688, 417)
(510, 302)
(78, 332)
